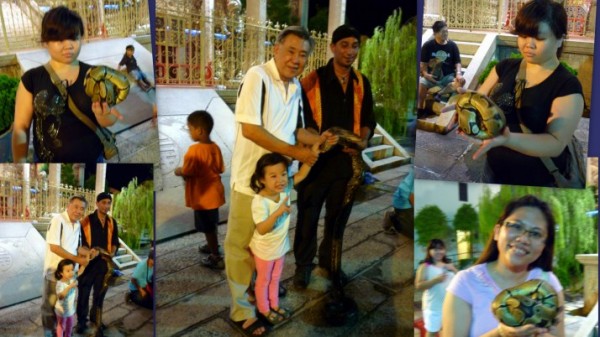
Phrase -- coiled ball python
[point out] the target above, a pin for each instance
(353, 141)
(533, 302)
(105, 84)
(478, 116)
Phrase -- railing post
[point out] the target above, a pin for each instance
(4, 32)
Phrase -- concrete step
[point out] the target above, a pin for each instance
(465, 60)
(379, 152)
(388, 163)
(128, 265)
(467, 48)
(121, 251)
(123, 258)
(377, 139)
(461, 35)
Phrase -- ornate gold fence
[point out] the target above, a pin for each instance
(21, 20)
(193, 49)
(28, 200)
(500, 14)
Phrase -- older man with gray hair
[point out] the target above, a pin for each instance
(268, 115)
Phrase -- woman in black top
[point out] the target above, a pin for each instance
(58, 135)
(551, 101)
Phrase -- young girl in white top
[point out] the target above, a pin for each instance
(66, 290)
(433, 277)
(270, 243)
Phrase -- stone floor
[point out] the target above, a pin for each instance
(122, 319)
(194, 301)
(449, 157)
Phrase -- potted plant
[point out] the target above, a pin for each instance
(8, 92)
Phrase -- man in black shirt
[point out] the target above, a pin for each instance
(99, 232)
(335, 95)
(440, 63)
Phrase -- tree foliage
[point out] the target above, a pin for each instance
(431, 223)
(388, 60)
(8, 93)
(133, 208)
(465, 218)
(575, 232)
(67, 175)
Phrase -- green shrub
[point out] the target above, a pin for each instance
(8, 92)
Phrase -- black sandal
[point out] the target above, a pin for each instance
(283, 312)
(250, 331)
(272, 317)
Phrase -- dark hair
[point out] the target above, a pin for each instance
(490, 252)
(201, 119)
(151, 254)
(77, 197)
(129, 47)
(298, 31)
(61, 23)
(61, 266)
(343, 32)
(438, 25)
(103, 195)
(535, 12)
(435, 244)
(268, 159)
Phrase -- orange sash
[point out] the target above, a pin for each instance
(311, 86)
(85, 226)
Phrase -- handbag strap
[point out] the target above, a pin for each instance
(520, 83)
(80, 115)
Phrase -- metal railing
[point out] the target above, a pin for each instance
(215, 50)
(21, 20)
(29, 200)
(500, 14)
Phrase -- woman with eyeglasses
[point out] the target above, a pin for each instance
(520, 249)
(546, 98)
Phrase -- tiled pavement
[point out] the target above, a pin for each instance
(194, 300)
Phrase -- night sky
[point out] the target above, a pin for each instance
(365, 15)
(119, 175)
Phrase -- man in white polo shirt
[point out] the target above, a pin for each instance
(63, 238)
(269, 119)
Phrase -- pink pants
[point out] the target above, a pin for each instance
(266, 290)
(64, 325)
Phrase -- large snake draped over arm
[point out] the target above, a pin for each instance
(351, 140)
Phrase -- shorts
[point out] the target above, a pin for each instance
(441, 83)
(206, 221)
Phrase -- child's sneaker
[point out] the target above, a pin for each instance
(214, 262)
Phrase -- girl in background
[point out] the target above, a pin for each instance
(433, 276)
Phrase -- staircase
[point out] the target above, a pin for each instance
(476, 51)
(383, 152)
(124, 258)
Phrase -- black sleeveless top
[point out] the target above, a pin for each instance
(512, 167)
(58, 135)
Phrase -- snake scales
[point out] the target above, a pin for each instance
(533, 302)
(106, 84)
(353, 141)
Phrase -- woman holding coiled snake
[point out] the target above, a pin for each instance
(58, 134)
(520, 249)
(537, 92)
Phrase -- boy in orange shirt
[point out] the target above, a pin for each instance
(204, 192)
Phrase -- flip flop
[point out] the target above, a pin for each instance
(252, 328)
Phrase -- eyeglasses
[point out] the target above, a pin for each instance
(517, 228)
